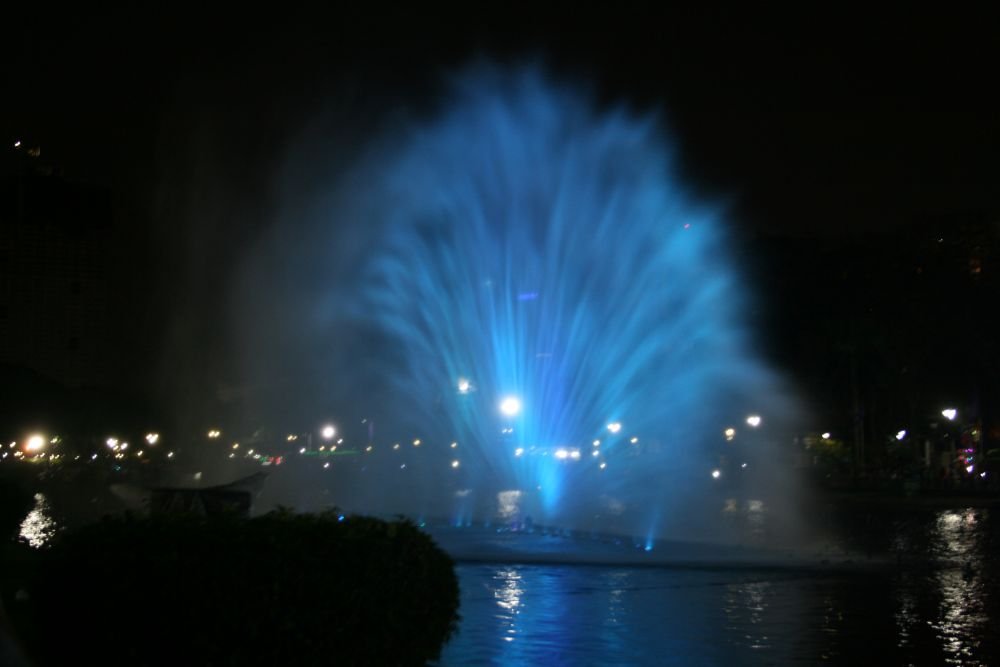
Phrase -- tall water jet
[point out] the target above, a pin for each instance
(562, 325)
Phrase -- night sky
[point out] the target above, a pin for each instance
(811, 125)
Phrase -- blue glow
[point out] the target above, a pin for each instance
(541, 246)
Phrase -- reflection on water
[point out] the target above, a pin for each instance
(936, 610)
(38, 526)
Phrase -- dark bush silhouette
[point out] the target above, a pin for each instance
(282, 589)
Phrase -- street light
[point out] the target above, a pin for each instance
(328, 432)
(35, 443)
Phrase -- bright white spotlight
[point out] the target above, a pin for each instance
(463, 386)
(328, 432)
(111, 442)
(754, 420)
(561, 454)
(950, 414)
(901, 434)
(510, 406)
(716, 474)
(826, 436)
(455, 463)
(35, 443)
(614, 427)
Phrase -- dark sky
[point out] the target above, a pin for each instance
(810, 123)
(815, 124)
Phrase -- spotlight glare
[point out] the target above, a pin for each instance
(510, 406)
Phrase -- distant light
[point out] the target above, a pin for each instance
(519, 451)
(367, 449)
(454, 464)
(17, 144)
(340, 441)
(214, 433)
(716, 474)
(139, 453)
(983, 474)
(454, 445)
(35, 443)
(634, 440)
(302, 450)
(402, 467)
(170, 455)
(969, 469)
(614, 427)
(510, 406)
(950, 414)
(93, 456)
(463, 386)
(396, 446)
(575, 455)
(250, 451)
(561, 454)
(901, 434)
(826, 436)
(124, 445)
(152, 438)
(322, 448)
(326, 465)
(328, 432)
(744, 465)
(730, 433)
(236, 445)
(416, 443)
(111, 442)
(292, 437)
(754, 420)
(597, 443)
(595, 453)
(603, 465)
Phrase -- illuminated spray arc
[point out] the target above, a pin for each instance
(537, 248)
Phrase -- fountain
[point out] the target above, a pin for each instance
(554, 327)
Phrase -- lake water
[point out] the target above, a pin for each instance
(939, 606)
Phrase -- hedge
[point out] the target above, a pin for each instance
(281, 589)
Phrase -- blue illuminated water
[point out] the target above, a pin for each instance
(527, 245)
